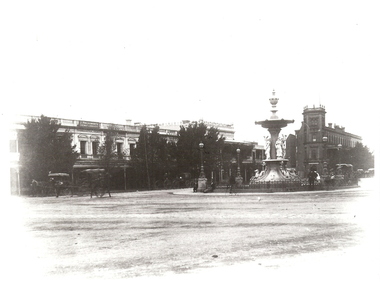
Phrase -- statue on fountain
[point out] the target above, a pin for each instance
(279, 148)
(267, 147)
(283, 145)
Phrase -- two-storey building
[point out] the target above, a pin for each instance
(319, 146)
(89, 135)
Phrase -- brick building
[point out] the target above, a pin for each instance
(319, 146)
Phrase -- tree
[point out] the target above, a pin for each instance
(188, 151)
(229, 155)
(213, 145)
(360, 157)
(64, 152)
(108, 151)
(44, 149)
(152, 156)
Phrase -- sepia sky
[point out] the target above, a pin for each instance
(165, 61)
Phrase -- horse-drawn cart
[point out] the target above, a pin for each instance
(60, 182)
(97, 180)
(93, 181)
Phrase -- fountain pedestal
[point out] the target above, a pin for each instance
(274, 171)
(202, 184)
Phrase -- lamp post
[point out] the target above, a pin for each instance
(238, 162)
(254, 157)
(238, 178)
(339, 171)
(202, 180)
(324, 166)
(202, 174)
(339, 154)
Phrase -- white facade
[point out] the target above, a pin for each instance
(88, 135)
(225, 130)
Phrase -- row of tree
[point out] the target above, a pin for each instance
(43, 148)
(359, 156)
(155, 158)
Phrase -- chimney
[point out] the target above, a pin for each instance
(330, 124)
(128, 122)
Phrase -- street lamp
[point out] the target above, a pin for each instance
(238, 160)
(324, 139)
(339, 171)
(254, 157)
(339, 147)
(202, 174)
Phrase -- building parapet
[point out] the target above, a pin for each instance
(224, 126)
(341, 130)
(73, 123)
(320, 107)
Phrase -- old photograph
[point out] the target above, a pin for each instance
(190, 140)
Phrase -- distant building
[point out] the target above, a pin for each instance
(225, 130)
(88, 135)
(291, 151)
(319, 146)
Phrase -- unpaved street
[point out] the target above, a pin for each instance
(181, 235)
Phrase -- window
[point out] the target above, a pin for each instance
(95, 147)
(119, 147)
(83, 147)
(314, 121)
(313, 154)
(132, 147)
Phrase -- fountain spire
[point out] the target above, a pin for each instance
(274, 101)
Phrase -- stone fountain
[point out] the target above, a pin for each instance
(275, 174)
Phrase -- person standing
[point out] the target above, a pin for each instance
(195, 188)
(232, 183)
(312, 175)
(213, 185)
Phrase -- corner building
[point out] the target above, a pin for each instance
(319, 146)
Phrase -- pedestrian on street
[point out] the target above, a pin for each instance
(231, 183)
(213, 185)
(195, 188)
(312, 175)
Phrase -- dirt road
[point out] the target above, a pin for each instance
(177, 234)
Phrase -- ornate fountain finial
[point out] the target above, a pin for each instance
(274, 102)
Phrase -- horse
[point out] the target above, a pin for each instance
(38, 188)
(60, 181)
(98, 181)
